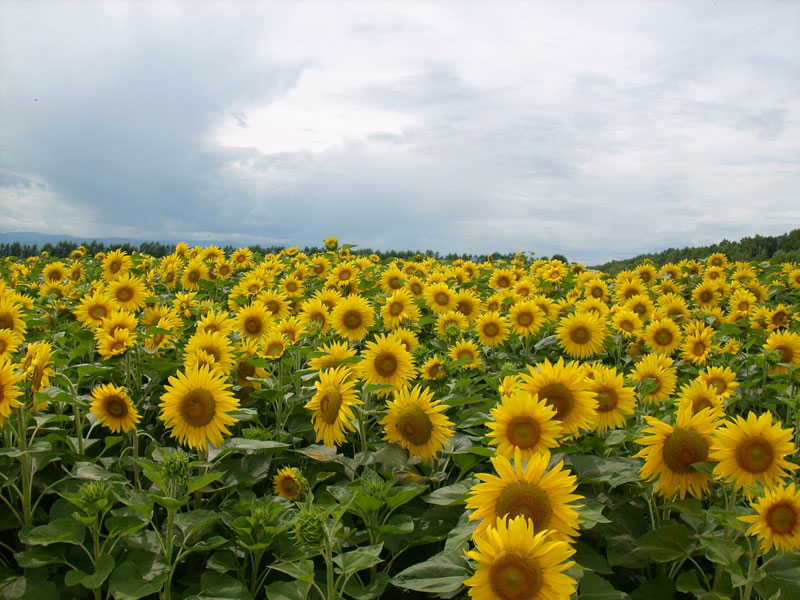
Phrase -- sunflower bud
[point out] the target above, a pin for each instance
(308, 528)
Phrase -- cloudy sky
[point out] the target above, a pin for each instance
(597, 130)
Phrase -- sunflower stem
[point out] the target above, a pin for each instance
(751, 570)
(25, 464)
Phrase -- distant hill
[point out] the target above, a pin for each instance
(39, 239)
(783, 248)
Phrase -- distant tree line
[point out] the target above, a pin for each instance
(63, 249)
(781, 248)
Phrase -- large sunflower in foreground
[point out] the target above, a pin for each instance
(562, 386)
(752, 451)
(518, 562)
(415, 422)
(787, 344)
(581, 335)
(777, 522)
(351, 317)
(114, 408)
(523, 422)
(541, 496)
(670, 451)
(196, 407)
(331, 406)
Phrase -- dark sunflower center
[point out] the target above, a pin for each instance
(524, 319)
(352, 319)
(211, 351)
(318, 268)
(245, 369)
(523, 432)
(706, 296)
(491, 330)
(385, 364)
(98, 312)
(787, 354)
(639, 308)
(465, 354)
(344, 275)
(416, 288)
(441, 298)
(253, 325)
(114, 266)
(782, 518)
(579, 334)
(414, 426)
(291, 286)
(395, 308)
(275, 349)
(754, 455)
(329, 405)
(700, 403)
(597, 292)
(526, 499)
(194, 276)
(718, 383)
(434, 369)
(6, 322)
(116, 407)
(273, 306)
(744, 305)
(626, 325)
(699, 348)
(663, 337)
(559, 397)
(170, 277)
(198, 407)
(682, 449)
(394, 282)
(514, 576)
(503, 282)
(606, 399)
(290, 487)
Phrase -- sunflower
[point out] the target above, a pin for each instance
(721, 379)
(8, 389)
(288, 483)
(546, 306)
(741, 303)
(9, 342)
(247, 350)
(492, 329)
(253, 321)
(386, 361)
(663, 336)
(342, 275)
(542, 497)
(466, 350)
(274, 345)
(615, 401)
(196, 407)
(627, 322)
(392, 279)
(779, 317)
(674, 307)
(696, 348)
(433, 369)
(526, 318)
(54, 272)
(440, 297)
(656, 369)
(523, 422)
(242, 258)
(787, 344)
(562, 386)
(752, 451)
(128, 292)
(698, 395)
(416, 286)
(114, 344)
(115, 263)
(11, 316)
(216, 321)
(114, 408)
(670, 451)
(777, 519)
(468, 303)
(195, 272)
(351, 318)
(399, 307)
(160, 339)
(502, 279)
(518, 562)
(276, 303)
(292, 329)
(331, 405)
(215, 344)
(415, 422)
(592, 305)
(596, 288)
(508, 385)
(706, 294)
(581, 335)
(314, 312)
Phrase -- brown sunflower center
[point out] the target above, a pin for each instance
(416, 288)
(606, 399)
(524, 319)
(275, 349)
(116, 407)
(700, 403)
(755, 455)
(579, 334)
(597, 292)
(385, 364)
(782, 518)
(414, 426)
(193, 276)
(626, 325)
(245, 369)
(98, 311)
(211, 351)
(524, 432)
(197, 407)
(441, 298)
(352, 319)
(395, 308)
(114, 266)
(514, 576)
(526, 499)
(465, 354)
(344, 275)
(491, 329)
(718, 383)
(6, 322)
(558, 396)
(273, 306)
(663, 337)
(290, 487)
(699, 348)
(253, 325)
(434, 370)
(682, 449)
(329, 405)
(787, 354)
(706, 296)
(394, 282)
(503, 282)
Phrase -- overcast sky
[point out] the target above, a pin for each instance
(597, 130)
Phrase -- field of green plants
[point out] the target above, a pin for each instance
(238, 426)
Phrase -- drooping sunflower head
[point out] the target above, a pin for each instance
(289, 483)
(331, 405)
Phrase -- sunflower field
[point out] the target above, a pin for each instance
(213, 425)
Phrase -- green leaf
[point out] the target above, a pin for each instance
(590, 559)
(65, 530)
(660, 588)
(87, 470)
(38, 557)
(126, 583)
(244, 445)
(398, 496)
(302, 570)
(442, 574)
(667, 543)
(374, 589)
(591, 513)
(688, 583)
(594, 587)
(460, 533)
(102, 568)
(28, 588)
(288, 590)
(196, 483)
(397, 525)
(450, 495)
(614, 471)
(358, 559)
(219, 586)
(194, 521)
(119, 526)
(721, 551)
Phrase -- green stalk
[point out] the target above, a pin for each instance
(25, 463)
